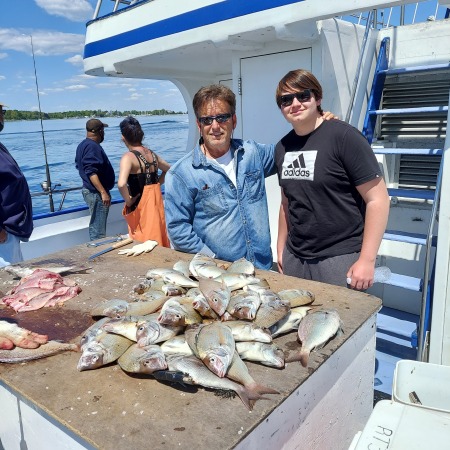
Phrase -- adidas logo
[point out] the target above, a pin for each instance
(297, 168)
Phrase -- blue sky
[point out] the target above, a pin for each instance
(57, 28)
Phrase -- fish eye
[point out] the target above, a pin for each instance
(141, 328)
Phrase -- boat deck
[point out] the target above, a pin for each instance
(107, 408)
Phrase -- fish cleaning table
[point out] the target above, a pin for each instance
(47, 403)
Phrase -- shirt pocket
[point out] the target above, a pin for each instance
(213, 200)
(254, 186)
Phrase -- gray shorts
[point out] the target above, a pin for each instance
(332, 270)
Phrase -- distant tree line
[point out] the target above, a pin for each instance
(14, 114)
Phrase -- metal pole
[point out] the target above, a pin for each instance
(47, 169)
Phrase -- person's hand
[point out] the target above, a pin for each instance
(328, 115)
(3, 235)
(12, 335)
(360, 275)
(280, 262)
(106, 198)
(138, 249)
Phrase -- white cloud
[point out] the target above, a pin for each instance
(2, 77)
(43, 42)
(74, 10)
(135, 96)
(76, 60)
(3, 55)
(76, 87)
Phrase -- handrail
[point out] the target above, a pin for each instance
(358, 68)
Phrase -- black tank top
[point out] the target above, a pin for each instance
(137, 181)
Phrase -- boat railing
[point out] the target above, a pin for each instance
(54, 190)
(384, 17)
(400, 15)
(57, 189)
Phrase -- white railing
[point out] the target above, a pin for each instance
(386, 17)
(402, 15)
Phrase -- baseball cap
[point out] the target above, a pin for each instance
(94, 125)
(2, 105)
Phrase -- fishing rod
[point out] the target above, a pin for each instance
(46, 185)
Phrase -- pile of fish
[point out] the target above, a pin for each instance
(20, 345)
(40, 288)
(197, 322)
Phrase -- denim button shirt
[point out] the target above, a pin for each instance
(206, 213)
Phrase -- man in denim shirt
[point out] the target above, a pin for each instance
(215, 196)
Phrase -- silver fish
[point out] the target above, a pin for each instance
(266, 354)
(143, 359)
(125, 326)
(176, 346)
(248, 331)
(158, 272)
(173, 290)
(237, 280)
(242, 266)
(143, 286)
(297, 297)
(272, 309)
(216, 293)
(182, 267)
(179, 279)
(200, 260)
(93, 331)
(290, 322)
(154, 294)
(105, 349)
(18, 354)
(244, 305)
(22, 271)
(216, 347)
(118, 308)
(238, 372)
(150, 331)
(202, 376)
(315, 330)
(209, 271)
(202, 306)
(179, 312)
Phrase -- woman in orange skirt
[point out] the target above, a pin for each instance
(140, 186)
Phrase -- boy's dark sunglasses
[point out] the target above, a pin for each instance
(288, 99)
(220, 118)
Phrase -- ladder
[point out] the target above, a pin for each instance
(402, 121)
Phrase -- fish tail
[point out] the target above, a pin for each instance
(304, 357)
(292, 357)
(245, 398)
(261, 389)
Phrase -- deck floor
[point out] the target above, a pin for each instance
(394, 329)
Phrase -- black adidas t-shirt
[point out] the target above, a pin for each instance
(319, 174)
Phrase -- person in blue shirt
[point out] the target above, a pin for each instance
(98, 177)
(215, 196)
(16, 212)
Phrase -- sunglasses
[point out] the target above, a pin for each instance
(288, 99)
(220, 118)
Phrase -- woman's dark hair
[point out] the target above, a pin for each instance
(131, 130)
(214, 92)
(296, 81)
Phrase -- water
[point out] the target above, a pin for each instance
(166, 135)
